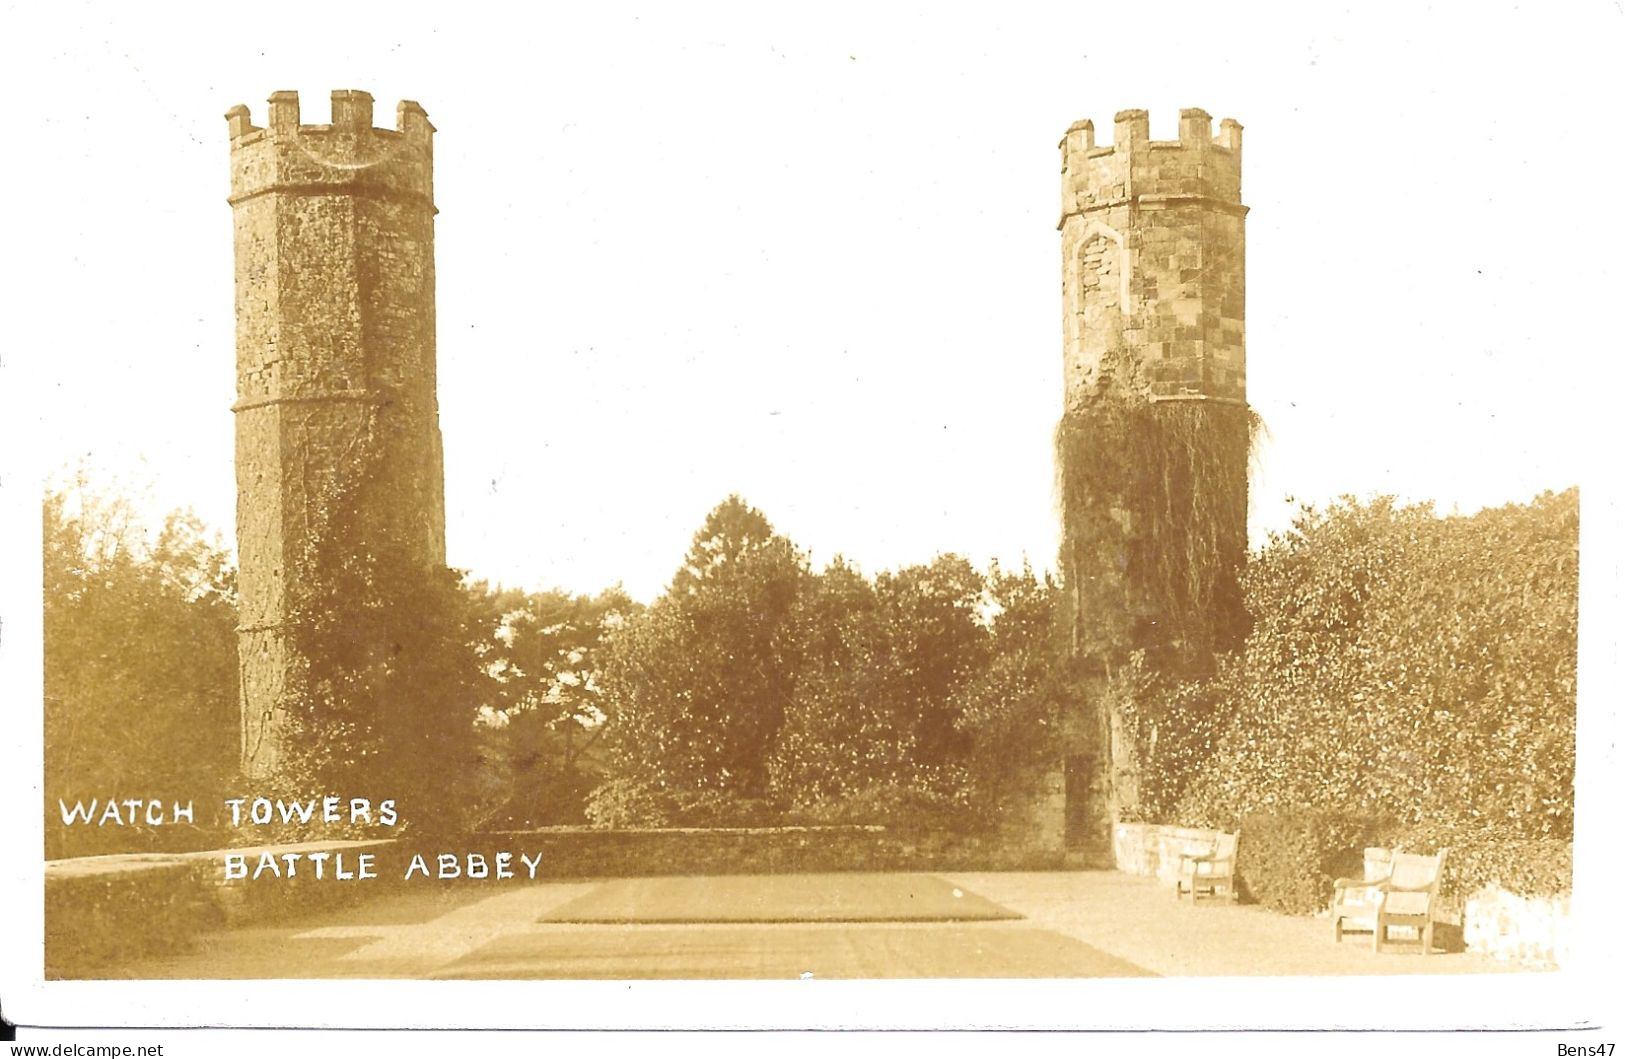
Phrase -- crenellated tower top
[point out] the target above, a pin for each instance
(348, 151)
(1136, 167)
(1153, 248)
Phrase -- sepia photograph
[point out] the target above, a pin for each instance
(1063, 518)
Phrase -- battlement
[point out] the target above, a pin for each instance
(1152, 250)
(349, 151)
(1136, 168)
(351, 112)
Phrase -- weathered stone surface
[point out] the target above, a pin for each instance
(103, 911)
(334, 235)
(1156, 849)
(1153, 253)
(1154, 441)
(1528, 930)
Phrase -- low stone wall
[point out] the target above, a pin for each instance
(102, 911)
(585, 853)
(1155, 849)
(1527, 930)
(269, 898)
(107, 910)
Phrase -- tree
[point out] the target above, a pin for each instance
(935, 642)
(140, 665)
(1010, 711)
(874, 728)
(387, 702)
(548, 712)
(699, 681)
(840, 735)
(384, 701)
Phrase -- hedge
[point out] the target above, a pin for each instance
(1401, 666)
(1288, 861)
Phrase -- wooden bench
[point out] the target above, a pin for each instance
(1207, 869)
(1400, 890)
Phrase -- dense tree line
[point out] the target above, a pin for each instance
(754, 689)
(468, 704)
(757, 689)
(1400, 664)
(140, 666)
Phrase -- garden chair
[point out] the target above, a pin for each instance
(1399, 891)
(1208, 872)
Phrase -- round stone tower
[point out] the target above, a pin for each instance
(336, 414)
(1153, 445)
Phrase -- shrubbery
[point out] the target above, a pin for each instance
(1288, 861)
(634, 803)
(943, 802)
(1402, 667)
(1408, 666)
(1531, 867)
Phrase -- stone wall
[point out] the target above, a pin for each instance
(103, 911)
(1528, 930)
(584, 853)
(100, 911)
(1155, 849)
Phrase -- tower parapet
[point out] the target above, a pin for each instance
(288, 156)
(336, 407)
(1153, 259)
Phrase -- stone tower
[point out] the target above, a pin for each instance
(1154, 441)
(1152, 253)
(336, 415)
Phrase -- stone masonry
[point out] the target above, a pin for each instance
(1155, 431)
(334, 235)
(1152, 253)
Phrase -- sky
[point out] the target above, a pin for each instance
(809, 257)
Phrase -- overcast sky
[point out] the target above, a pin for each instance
(811, 258)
